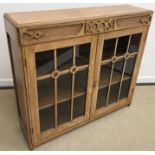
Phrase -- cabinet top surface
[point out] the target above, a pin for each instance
(24, 19)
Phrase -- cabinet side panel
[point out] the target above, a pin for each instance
(19, 80)
(18, 77)
(13, 70)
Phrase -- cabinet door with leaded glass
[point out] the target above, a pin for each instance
(62, 82)
(116, 58)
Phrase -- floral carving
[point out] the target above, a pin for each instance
(81, 30)
(100, 26)
(145, 20)
(33, 34)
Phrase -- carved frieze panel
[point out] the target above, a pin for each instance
(100, 26)
(33, 36)
(132, 21)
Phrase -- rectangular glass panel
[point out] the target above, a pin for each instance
(82, 54)
(125, 89)
(114, 89)
(80, 88)
(79, 106)
(45, 92)
(117, 72)
(130, 66)
(44, 62)
(105, 74)
(81, 78)
(108, 49)
(64, 58)
(64, 112)
(101, 97)
(135, 42)
(64, 87)
(126, 83)
(47, 118)
(122, 45)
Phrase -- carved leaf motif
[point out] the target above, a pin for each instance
(100, 26)
(81, 30)
(145, 20)
(33, 34)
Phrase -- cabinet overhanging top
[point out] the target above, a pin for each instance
(26, 19)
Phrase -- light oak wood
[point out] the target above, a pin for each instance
(37, 27)
(70, 15)
(90, 33)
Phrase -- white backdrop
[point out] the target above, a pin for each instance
(147, 70)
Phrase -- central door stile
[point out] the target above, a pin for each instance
(97, 64)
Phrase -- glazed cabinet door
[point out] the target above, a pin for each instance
(60, 84)
(118, 57)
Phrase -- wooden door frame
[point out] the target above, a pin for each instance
(109, 35)
(29, 54)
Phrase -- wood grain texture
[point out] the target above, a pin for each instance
(39, 32)
(33, 36)
(17, 62)
(45, 26)
(72, 15)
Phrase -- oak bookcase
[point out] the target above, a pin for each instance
(75, 65)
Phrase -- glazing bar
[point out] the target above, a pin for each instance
(73, 83)
(55, 88)
(111, 75)
(119, 92)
